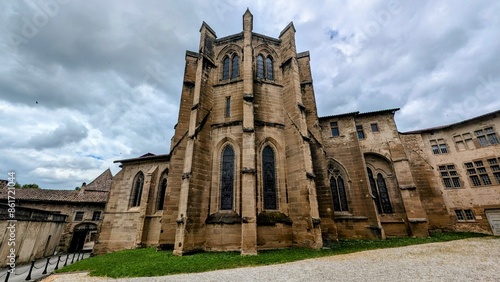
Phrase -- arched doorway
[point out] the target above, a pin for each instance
(82, 234)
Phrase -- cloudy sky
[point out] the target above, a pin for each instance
(84, 83)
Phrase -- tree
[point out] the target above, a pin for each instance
(17, 185)
(30, 186)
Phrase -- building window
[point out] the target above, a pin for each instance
(361, 133)
(269, 68)
(380, 193)
(374, 127)
(135, 200)
(79, 216)
(478, 173)
(230, 67)
(463, 142)
(228, 107)
(162, 189)
(269, 179)
(338, 194)
(465, 215)
(497, 177)
(227, 178)
(439, 147)
(260, 66)
(265, 71)
(96, 216)
(450, 176)
(338, 186)
(225, 69)
(335, 129)
(495, 168)
(235, 72)
(486, 136)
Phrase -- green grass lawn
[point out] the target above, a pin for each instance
(149, 262)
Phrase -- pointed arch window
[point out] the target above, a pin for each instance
(384, 194)
(225, 68)
(260, 66)
(338, 187)
(269, 68)
(380, 193)
(138, 183)
(162, 189)
(227, 179)
(235, 72)
(338, 194)
(269, 179)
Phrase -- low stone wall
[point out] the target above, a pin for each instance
(30, 234)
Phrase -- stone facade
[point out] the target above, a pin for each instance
(463, 159)
(127, 224)
(252, 167)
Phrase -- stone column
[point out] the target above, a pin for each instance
(248, 177)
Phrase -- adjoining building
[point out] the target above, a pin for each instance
(463, 160)
(82, 212)
(252, 166)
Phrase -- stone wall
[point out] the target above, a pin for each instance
(127, 227)
(361, 221)
(37, 234)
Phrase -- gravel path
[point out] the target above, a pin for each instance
(475, 259)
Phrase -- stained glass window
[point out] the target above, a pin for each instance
(269, 68)
(227, 179)
(225, 69)
(137, 190)
(380, 193)
(235, 67)
(269, 176)
(260, 66)
(338, 194)
(384, 195)
(162, 190)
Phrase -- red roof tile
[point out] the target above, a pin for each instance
(46, 195)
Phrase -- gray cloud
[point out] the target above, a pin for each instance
(62, 135)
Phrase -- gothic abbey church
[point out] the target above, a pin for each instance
(252, 167)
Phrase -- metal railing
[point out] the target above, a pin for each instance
(49, 261)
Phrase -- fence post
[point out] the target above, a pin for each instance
(57, 264)
(73, 258)
(8, 274)
(66, 262)
(31, 269)
(46, 265)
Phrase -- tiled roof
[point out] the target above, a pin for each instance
(101, 183)
(95, 192)
(46, 195)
